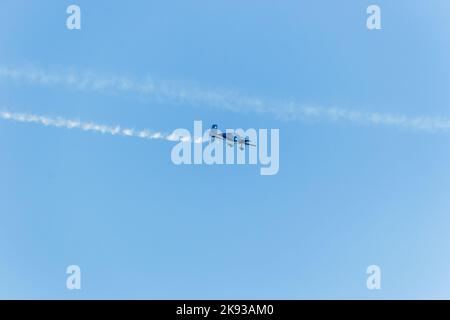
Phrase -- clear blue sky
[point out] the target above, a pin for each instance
(347, 195)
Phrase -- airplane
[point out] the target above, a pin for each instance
(229, 137)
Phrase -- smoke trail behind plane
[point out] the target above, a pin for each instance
(172, 93)
(84, 126)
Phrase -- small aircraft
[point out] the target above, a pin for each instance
(229, 137)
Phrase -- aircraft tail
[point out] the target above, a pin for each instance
(213, 132)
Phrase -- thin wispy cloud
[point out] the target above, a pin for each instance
(176, 94)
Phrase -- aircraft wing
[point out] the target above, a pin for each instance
(242, 142)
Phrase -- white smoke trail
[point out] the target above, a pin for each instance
(226, 100)
(85, 126)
